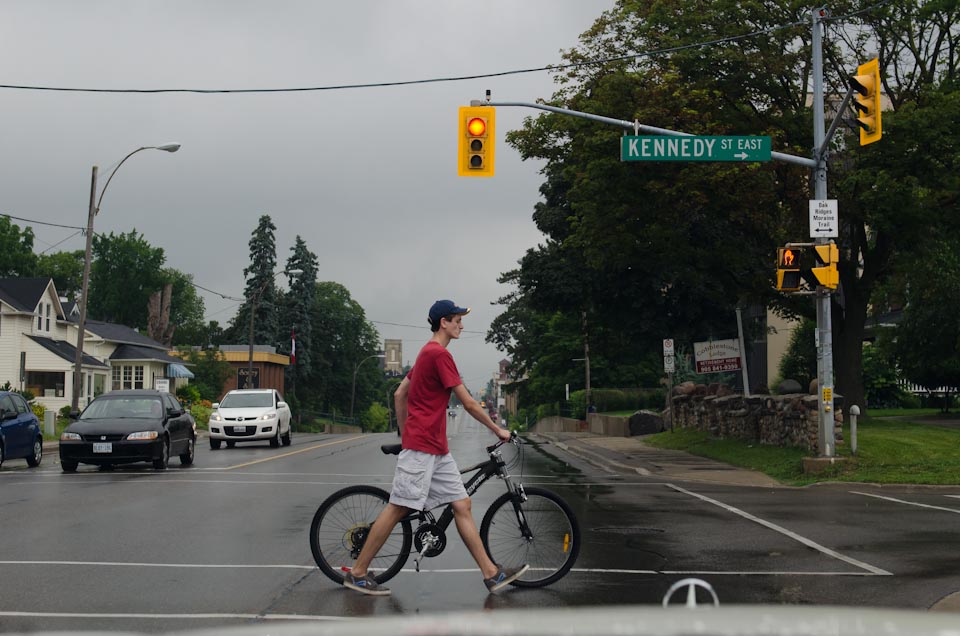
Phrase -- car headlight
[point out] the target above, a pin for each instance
(143, 435)
(215, 417)
(268, 416)
(65, 436)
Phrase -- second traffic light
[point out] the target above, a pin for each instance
(867, 103)
(827, 256)
(475, 146)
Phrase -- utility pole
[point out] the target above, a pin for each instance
(824, 326)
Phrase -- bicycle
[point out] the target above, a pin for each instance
(524, 525)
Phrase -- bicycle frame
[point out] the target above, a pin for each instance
(493, 467)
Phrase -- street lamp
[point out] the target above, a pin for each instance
(353, 390)
(94, 209)
(253, 310)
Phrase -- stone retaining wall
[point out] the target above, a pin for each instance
(556, 424)
(774, 420)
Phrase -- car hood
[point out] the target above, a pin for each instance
(249, 411)
(115, 425)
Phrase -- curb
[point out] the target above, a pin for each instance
(596, 459)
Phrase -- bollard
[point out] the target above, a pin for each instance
(854, 412)
(49, 422)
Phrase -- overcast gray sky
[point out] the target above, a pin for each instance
(367, 176)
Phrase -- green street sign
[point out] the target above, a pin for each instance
(694, 148)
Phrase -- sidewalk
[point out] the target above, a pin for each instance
(629, 455)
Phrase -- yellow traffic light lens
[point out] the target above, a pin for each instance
(476, 161)
(476, 126)
(476, 145)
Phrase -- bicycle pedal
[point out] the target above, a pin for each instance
(416, 564)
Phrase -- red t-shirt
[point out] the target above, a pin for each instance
(432, 377)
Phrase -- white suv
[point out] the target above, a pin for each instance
(247, 415)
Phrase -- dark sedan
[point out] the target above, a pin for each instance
(19, 430)
(122, 427)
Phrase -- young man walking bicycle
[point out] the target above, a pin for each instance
(426, 474)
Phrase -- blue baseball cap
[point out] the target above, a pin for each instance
(443, 308)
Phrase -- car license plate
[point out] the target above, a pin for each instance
(102, 447)
(239, 429)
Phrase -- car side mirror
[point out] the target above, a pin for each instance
(172, 412)
(215, 405)
(281, 405)
(74, 415)
(9, 415)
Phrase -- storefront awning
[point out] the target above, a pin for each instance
(178, 371)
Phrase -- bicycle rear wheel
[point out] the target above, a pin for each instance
(340, 528)
(555, 544)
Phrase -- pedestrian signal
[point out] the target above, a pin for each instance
(866, 83)
(788, 269)
(475, 148)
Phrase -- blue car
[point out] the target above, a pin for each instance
(20, 435)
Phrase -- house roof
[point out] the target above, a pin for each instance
(133, 352)
(122, 334)
(66, 351)
(23, 294)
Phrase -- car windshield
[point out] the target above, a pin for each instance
(140, 407)
(246, 400)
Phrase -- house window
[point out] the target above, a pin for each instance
(128, 377)
(39, 317)
(48, 316)
(115, 377)
(45, 383)
(138, 377)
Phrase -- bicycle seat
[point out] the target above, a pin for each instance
(391, 449)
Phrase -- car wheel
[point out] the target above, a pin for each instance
(68, 467)
(214, 444)
(164, 460)
(34, 460)
(231, 444)
(275, 440)
(187, 458)
(288, 438)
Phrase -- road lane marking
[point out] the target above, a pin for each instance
(296, 452)
(793, 535)
(909, 503)
(266, 617)
(468, 570)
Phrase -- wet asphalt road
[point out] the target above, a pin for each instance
(225, 542)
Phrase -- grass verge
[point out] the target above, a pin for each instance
(889, 452)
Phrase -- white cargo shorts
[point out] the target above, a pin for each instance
(423, 481)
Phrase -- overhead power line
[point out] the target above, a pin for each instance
(434, 80)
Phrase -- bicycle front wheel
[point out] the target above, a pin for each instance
(553, 547)
(340, 528)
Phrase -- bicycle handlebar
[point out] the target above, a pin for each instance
(514, 439)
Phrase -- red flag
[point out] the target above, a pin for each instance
(293, 347)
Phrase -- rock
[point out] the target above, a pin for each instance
(723, 390)
(685, 388)
(645, 422)
(814, 385)
(788, 386)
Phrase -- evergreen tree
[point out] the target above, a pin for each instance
(298, 304)
(260, 289)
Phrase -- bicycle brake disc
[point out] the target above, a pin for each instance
(431, 531)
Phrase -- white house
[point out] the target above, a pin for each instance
(38, 349)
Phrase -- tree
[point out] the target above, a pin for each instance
(66, 270)
(16, 250)
(297, 304)
(210, 371)
(186, 309)
(341, 337)
(125, 271)
(671, 248)
(928, 337)
(260, 287)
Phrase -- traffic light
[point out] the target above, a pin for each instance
(827, 256)
(867, 103)
(788, 269)
(475, 150)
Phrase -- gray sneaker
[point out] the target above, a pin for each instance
(504, 577)
(364, 584)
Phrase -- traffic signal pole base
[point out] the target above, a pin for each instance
(820, 465)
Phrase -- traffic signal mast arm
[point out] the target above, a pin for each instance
(636, 127)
